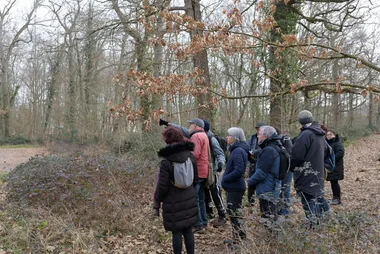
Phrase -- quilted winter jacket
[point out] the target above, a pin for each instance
(180, 209)
(267, 167)
(233, 176)
(338, 172)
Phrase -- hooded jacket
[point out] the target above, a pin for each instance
(307, 160)
(233, 176)
(338, 148)
(180, 208)
(265, 178)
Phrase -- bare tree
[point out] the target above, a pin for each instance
(9, 40)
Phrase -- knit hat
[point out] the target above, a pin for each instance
(197, 122)
(259, 125)
(207, 125)
(305, 117)
(237, 134)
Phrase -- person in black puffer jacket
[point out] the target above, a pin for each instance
(180, 209)
(338, 173)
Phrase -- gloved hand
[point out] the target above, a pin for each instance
(220, 167)
(156, 212)
(163, 122)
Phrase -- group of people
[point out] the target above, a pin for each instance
(185, 210)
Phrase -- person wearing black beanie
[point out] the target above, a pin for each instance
(214, 192)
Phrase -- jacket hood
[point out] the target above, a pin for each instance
(273, 139)
(314, 127)
(243, 145)
(177, 152)
(333, 140)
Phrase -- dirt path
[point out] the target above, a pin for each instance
(11, 157)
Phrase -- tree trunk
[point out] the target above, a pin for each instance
(200, 61)
(281, 64)
(71, 89)
(335, 97)
(350, 110)
(370, 106)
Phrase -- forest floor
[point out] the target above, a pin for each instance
(354, 228)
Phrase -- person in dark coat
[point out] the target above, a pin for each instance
(338, 173)
(233, 181)
(180, 210)
(307, 163)
(254, 150)
(265, 178)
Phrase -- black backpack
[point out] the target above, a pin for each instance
(222, 143)
(284, 158)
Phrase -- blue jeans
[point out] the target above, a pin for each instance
(285, 194)
(315, 207)
(200, 195)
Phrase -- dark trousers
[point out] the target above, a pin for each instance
(268, 209)
(314, 207)
(251, 191)
(188, 235)
(214, 192)
(234, 210)
(335, 189)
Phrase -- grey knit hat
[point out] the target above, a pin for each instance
(197, 122)
(305, 117)
(237, 134)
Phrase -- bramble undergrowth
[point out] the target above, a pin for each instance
(98, 202)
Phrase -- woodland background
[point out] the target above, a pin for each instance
(89, 79)
(91, 70)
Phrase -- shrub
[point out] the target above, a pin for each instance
(96, 190)
(14, 140)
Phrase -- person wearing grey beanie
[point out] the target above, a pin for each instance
(305, 117)
(307, 163)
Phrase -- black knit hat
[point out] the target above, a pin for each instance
(207, 125)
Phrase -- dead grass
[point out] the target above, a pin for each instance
(99, 203)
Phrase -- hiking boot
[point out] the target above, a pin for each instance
(210, 216)
(336, 202)
(219, 222)
(199, 229)
(251, 201)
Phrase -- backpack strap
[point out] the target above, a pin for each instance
(277, 148)
(171, 176)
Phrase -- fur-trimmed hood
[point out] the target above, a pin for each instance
(177, 152)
